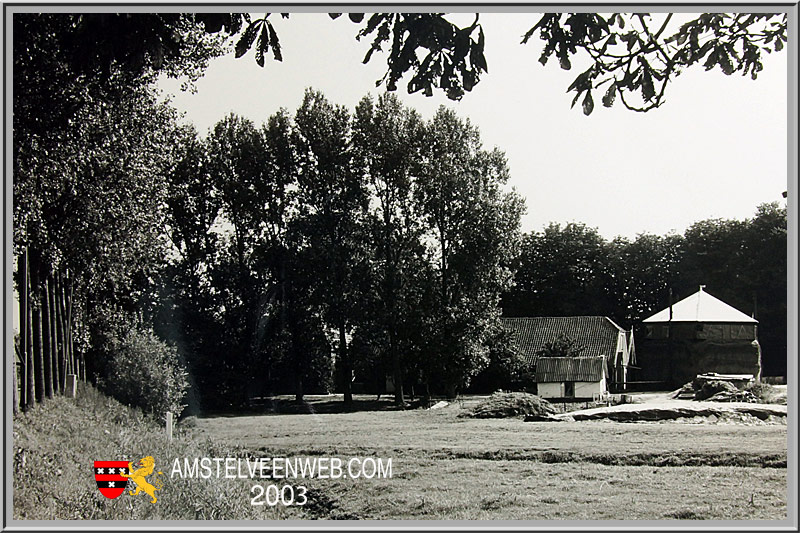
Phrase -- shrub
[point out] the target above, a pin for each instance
(511, 405)
(144, 371)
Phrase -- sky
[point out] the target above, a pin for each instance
(717, 148)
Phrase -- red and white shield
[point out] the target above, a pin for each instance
(108, 478)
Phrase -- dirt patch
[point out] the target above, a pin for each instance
(708, 411)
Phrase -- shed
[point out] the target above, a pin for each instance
(598, 336)
(571, 377)
(699, 334)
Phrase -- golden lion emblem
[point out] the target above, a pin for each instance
(139, 475)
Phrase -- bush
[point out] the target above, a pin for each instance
(511, 405)
(144, 371)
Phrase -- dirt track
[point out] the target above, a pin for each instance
(661, 407)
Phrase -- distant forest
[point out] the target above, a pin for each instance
(570, 269)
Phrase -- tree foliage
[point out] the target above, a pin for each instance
(632, 56)
(629, 53)
(641, 53)
(472, 239)
(562, 346)
(573, 271)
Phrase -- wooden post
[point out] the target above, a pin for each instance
(169, 426)
(30, 399)
(22, 267)
(72, 386)
(47, 340)
(15, 381)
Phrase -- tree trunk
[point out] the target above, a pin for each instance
(59, 334)
(14, 380)
(451, 390)
(347, 367)
(70, 345)
(54, 349)
(397, 373)
(22, 267)
(38, 355)
(30, 387)
(298, 384)
(47, 344)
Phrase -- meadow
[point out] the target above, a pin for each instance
(444, 465)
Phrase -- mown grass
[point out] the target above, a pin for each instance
(447, 466)
(56, 443)
(444, 466)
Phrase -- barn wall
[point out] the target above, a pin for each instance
(701, 330)
(583, 389)
(679, 362)
(550, 390)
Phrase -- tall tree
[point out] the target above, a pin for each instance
(642, 271)
(331, 210)
(238, 165)
(387, 140)
(562, 272)
(91, 144)
(473, 234)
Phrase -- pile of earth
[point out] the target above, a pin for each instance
(715, 391)
(512, 405)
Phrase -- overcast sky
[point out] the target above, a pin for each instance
(716, 149)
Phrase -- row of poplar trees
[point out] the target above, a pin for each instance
(371, 240)
(376, 240)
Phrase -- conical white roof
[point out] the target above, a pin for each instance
(701, 307)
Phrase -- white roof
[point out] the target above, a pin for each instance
(701, 307)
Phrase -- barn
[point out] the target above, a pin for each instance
(581, 378)
(598, 336)
(696, 335)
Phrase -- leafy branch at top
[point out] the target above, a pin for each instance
(630, 54)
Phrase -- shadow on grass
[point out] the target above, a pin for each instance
(320, 405)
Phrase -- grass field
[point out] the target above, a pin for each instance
(444, 466)
(450, 467)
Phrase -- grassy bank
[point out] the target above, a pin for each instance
(56, 443)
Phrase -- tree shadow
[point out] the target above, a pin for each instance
(334, 404)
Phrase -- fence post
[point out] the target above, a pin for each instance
(169, 426)
(72, 385)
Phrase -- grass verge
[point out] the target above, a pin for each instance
(56, 443)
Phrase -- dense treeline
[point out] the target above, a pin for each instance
(294, 256)
(572, 270)
(325, 246)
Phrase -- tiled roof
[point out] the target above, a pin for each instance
(555, 369)
(701, 307)
(596, 334)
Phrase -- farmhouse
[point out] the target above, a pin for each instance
(571, 377)
(596, 336)
(696, 335)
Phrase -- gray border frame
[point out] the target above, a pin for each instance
(790, 524)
